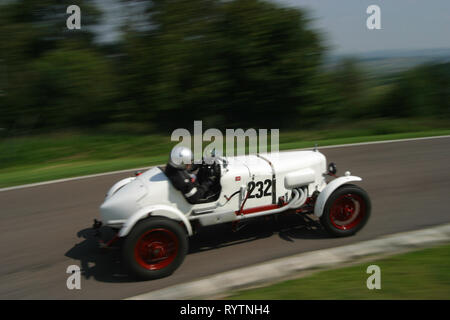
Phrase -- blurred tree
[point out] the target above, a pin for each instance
(420, 92)
(33, 27)
(28, 31)
(72, 87)
(271, 58)
(237, 63)
(250, 62)
(350, 89)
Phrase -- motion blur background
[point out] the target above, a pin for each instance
(139, 69)
(108, 96)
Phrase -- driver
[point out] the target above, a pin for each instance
(179, 171)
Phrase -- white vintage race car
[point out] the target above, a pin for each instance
(155, 220)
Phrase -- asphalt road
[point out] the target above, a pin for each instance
(45, 229)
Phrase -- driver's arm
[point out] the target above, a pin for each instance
(190, 187)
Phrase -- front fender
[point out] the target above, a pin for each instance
(158, 210)
(329, 189)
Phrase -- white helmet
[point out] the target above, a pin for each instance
(180, 157)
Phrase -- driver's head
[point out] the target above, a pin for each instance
(180, 157)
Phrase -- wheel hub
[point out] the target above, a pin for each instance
(156, 249)
(347, 211)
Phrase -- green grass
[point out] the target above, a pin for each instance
(29, 159)
(416, 275)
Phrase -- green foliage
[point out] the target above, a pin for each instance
(72, 86)
(239, 63)
(350, 89)
(416, 275)
(249, 62)
(422, 91)
(32, 34)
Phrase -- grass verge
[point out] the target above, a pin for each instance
(415, 275)
(31, 159)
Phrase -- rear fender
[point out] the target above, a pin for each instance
(329, 189)
(158, 210)
(119, 185)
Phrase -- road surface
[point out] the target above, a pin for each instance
(44, 229)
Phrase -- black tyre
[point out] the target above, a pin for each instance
(346, 211)
(155, 248)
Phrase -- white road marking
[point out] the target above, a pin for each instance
(145, 168)
(71, 179)
(376, 142)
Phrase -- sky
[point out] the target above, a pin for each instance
(406, 24)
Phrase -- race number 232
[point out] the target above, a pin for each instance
(259, 189)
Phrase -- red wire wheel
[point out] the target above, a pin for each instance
(346, 211)
(156, 249)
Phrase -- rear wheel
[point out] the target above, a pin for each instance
(346, 211)
(155, 248)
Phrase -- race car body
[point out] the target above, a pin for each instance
(155, 219)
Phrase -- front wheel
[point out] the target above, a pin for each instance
(346, 211)
(155, 248)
